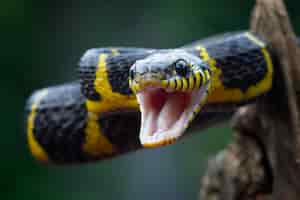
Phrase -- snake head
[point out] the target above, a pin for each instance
(171, 87)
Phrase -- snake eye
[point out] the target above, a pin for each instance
(181, 68)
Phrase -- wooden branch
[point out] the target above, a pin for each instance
(263, 160)
(241, 171)
(270, 19)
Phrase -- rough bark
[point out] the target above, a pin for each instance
(263, 161)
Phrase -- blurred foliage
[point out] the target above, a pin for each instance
(42, 42)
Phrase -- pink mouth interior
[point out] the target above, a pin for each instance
(162, 109)
(166, 114)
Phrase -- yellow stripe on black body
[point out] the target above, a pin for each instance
(33, 105)
(60, 129)
(241, 67)
(104, 78)
(110, 100)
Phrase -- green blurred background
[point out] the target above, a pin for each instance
(42, 42)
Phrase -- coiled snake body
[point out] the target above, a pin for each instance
(189, 87)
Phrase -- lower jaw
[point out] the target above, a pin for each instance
(159, 143)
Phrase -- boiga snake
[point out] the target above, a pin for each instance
(131, 98)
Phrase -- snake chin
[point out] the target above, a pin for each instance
(166, 113)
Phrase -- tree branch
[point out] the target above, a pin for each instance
(263, 160)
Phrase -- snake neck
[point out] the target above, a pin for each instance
(242, 69)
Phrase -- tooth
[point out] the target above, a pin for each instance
(140, 99)
(148, 123)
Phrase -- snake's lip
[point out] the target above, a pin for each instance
(147, 83)
(167, 113)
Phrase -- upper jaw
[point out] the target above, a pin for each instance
(145, 82)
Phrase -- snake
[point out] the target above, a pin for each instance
(130, 98)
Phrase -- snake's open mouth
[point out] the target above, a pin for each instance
(166, 114)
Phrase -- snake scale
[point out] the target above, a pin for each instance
(157, 92)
